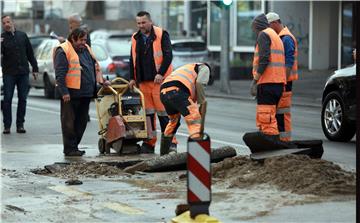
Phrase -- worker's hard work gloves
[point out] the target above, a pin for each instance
(253, 88)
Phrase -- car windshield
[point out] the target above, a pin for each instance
(189, 46)
(118, 47)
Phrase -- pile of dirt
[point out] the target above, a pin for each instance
(86, 169)
(295, 173)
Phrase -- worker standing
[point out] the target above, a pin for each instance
(283, 113)
(179, 93)
(269, 75)
(76, 73)
(150, 63)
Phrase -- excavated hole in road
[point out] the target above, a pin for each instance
(294, 173)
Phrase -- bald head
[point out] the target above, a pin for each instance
(75, 21)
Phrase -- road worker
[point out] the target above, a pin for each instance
(180, 93)
(283, 112)
(269, 75)
(150, 63)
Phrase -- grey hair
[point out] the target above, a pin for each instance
(76, 17)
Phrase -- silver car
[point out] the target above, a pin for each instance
(188, 51)
(46, 77)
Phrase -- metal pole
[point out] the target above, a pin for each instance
(225, 50)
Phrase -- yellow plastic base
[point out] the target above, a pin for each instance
(185, 218)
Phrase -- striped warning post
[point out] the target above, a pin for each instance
(199, 175)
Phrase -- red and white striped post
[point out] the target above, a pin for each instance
(199, 175)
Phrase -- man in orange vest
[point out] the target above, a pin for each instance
(179, 93)
(269, 75)
(283, 113)
(150, 63)
(77, 73)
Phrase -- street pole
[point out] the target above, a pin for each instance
(225, 50)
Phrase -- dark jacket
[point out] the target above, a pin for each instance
(145, 64)
(88, 75)
(16, 51)
(263, 40)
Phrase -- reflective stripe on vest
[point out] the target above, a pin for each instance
(285, 134)
(283, 110)
(275, 72)
(73, 75)
(294, 70)
(157, 51)
(187, 76)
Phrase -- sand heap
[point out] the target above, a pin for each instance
(295, 173)
(88, 169)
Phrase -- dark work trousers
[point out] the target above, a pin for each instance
(74, 116)
(269, 94)
(21, 81)
(175, 102)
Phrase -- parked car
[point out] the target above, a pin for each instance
(189, 51)
(46, 77)
(114, 56)
(111, 34)
(36, 40)
(338, 114)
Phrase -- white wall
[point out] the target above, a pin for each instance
(296, 16)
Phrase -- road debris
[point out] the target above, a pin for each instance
(295, 173)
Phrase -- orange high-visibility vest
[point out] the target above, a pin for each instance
(294, 70)
(275, 71)
(157, 51)
(73, 76)
(187, 76)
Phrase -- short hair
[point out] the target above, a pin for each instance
(77, 33)
(4, 16)
(144, 13)
(75, 17)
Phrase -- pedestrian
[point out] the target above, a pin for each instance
(75, 21)
(150, 63)
(283, 112)
(16, 52)
(179, 93)
(269, 75)
(77, 74)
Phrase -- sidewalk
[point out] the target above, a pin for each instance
(307, 91)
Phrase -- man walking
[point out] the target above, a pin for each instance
(16, 52)
(269, 75)
(76, 73)
(283, 112)
(150, 63)
(179, 93)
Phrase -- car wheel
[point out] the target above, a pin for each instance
(335, 125)
(49, 88)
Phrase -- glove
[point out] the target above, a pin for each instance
(253, 88)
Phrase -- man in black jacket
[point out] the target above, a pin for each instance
(16, 51)
(150, 63)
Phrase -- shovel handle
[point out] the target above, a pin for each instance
(203, 114)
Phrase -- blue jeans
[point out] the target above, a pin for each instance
(21, 81)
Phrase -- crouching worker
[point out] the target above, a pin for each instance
(179, 93)
(77, 73)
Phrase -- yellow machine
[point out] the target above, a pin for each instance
(121, 116)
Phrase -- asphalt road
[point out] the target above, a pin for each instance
(46, 199)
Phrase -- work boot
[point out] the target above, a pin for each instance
(173, 148)
(146, 148)
(6, 131)
(165, 144)
(20, 129)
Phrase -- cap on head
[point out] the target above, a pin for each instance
(203, 74)
(272, 16)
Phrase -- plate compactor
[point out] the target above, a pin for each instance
(122, 118)
(264, 146)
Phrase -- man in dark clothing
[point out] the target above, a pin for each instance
(76, 80)
(16, 51)
(150, 63)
